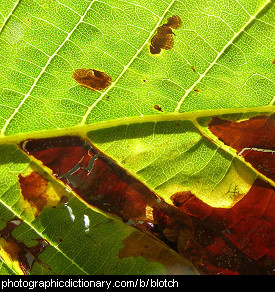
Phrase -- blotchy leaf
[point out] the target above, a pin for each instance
(178, 156)
(63, 226)
(162, 85)
(217, 240)
(236, 240)
(254, 139)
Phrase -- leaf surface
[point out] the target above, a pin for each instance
(168, 120)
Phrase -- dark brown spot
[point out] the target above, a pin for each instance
(164, 37)
(174, 22)
(179, 199)
(273, 62)
(92, 79)
(197, 90)
(193, 68)
(63, 200)
(154, 51)
(162, 40)
(158, 108)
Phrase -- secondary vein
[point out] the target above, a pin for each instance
(10, 14)
(44, 69)
(221, 53)
(127, 66)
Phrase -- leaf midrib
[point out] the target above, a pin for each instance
(81, 130)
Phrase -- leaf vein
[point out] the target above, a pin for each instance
(127, 66)
(44, 69)
(236, 35)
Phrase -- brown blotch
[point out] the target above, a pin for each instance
(34, 190)
(273, 62)
(236, 240)
(164, 37)
(250, 138)
(158, 108)
(183, 200)
(180, 198)
(174, 22)
(92, 79)
(139, 244)
(94, 177)
(17, 250)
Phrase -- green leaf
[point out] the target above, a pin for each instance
(153, 120)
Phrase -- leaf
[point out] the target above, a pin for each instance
(237, 240)
(167, 120)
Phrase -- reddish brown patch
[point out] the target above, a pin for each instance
(95, 178)
(211, 238)
(17, 250)
(237, 240)
(186, 199)
(254, 139)
(164, 36)
(92, 79)
(33, 189)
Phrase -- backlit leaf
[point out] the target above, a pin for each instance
(122, 122)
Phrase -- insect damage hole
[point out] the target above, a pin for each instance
(164, 37)
(92, 79)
